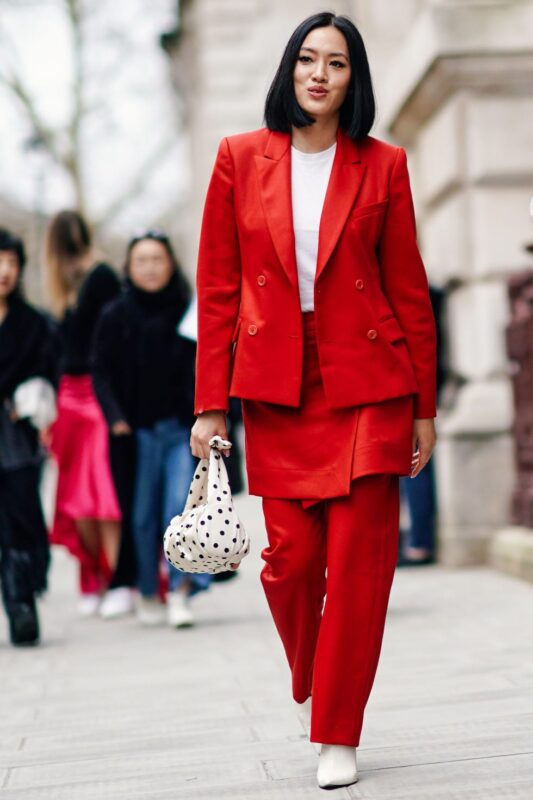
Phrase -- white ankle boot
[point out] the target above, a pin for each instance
(337, 766)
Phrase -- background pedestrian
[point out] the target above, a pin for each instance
(87, 517)
(27, 404)
(143, 373)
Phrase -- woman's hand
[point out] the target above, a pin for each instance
(120, 428)
(207, 425)
(424, 439)
(45, 437)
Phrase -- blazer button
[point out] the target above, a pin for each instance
(372, 334)
(261, 280)
(252, 330)
(359, 284)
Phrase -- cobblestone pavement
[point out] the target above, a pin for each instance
(110, 710)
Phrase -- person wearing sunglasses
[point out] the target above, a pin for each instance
(143, 374)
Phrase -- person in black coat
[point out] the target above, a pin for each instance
(27, 402)
(143, 376)
(418, 543)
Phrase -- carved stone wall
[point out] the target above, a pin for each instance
(458, 94)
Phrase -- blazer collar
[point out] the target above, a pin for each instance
(274, 170)
(278, 144)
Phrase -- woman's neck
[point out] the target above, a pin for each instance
(316, 137)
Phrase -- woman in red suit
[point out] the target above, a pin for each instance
(314, 309)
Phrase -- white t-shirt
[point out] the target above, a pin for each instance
(310, 176)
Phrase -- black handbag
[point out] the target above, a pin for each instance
(19, 442)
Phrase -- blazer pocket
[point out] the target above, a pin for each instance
(391, 330)
(369, 208)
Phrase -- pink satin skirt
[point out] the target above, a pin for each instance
(80, 446)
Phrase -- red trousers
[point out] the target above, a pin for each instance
(343, 549)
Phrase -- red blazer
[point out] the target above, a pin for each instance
(375, 325)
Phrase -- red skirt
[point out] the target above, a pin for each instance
(313, 452)
(80, 445)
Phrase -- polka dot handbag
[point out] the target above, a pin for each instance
(208, 536)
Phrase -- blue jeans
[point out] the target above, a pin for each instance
(164, 471)
(419, 493)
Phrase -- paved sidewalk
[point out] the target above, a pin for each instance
(108, 710)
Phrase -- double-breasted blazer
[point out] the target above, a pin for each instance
(374, 321)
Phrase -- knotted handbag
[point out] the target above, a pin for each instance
(208, 536)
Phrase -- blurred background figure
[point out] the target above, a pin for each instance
(87, 516)
(418, 541)
(143, 374)
(27, 404)
(119, 599)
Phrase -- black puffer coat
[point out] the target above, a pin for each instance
(143, 370)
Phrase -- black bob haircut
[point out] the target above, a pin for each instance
(358, 111)
(9, 243)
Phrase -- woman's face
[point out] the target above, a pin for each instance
(322, 73)
(9, 272)
(150, 266)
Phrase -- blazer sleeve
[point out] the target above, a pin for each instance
(103, 368)
(406, 286)
(218, 283)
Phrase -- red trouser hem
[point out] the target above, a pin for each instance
(333, 648)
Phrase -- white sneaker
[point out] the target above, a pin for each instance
(150, 611)
(88, 605)
(179, 615)
(117, 603)
(337, 766)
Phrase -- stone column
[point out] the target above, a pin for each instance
(459, 97)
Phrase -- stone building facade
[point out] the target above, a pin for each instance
(454, 84)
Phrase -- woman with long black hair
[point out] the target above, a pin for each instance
(314, 309)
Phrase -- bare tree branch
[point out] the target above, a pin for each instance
(137, 185)
(65, 144)
(75, 16)
(13, 82)
(15, 85)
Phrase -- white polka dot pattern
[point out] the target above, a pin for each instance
(208, 536)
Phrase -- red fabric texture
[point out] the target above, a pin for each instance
(313, 451)
(333, 655)
(374, 321)
(85, 487)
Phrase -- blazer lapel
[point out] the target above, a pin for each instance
(274, 171)
(345, 181)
